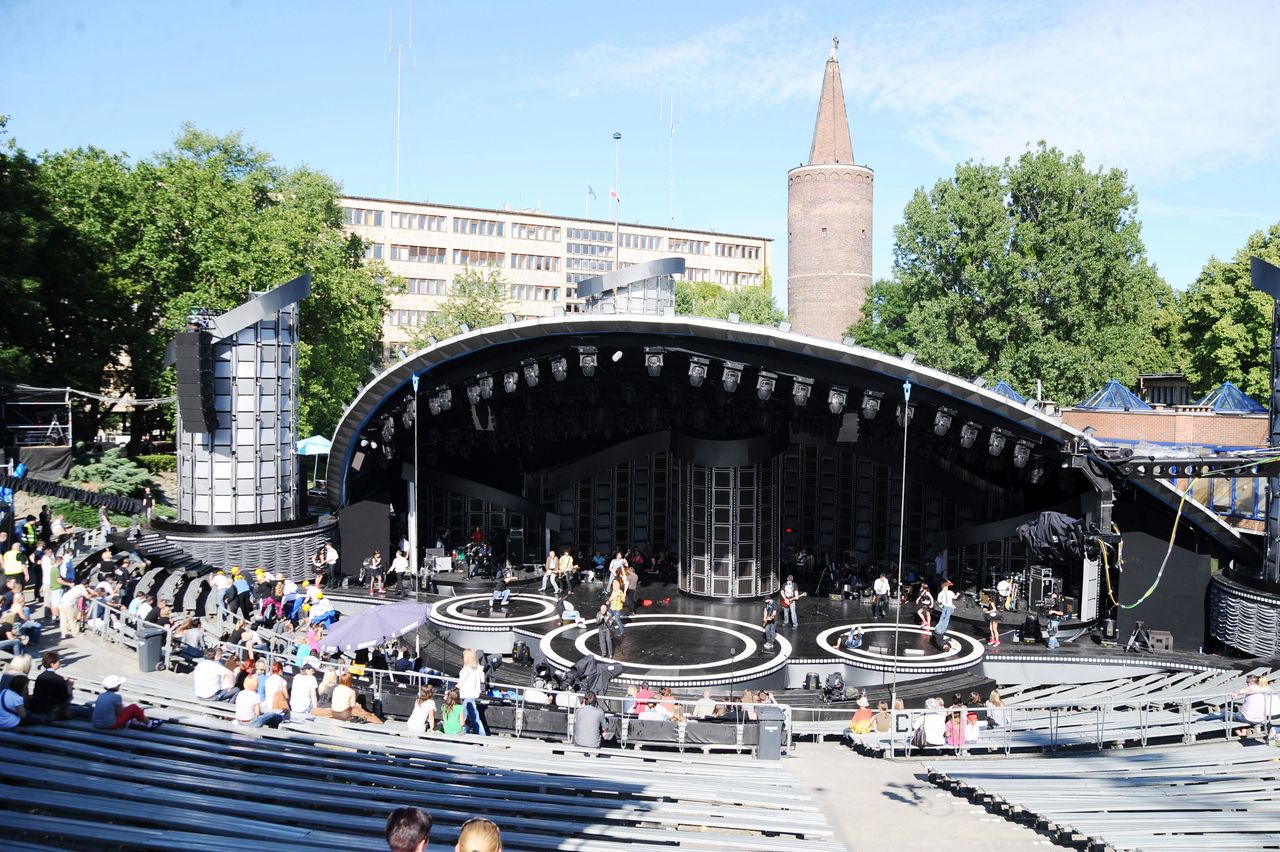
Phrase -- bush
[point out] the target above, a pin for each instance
(158, 462)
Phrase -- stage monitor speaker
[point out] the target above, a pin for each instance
(1161, 640)
(1109, 631)
(1031, 629)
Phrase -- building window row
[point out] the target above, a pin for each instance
(737, 279)
(360, 216)
(407, 318)
(575, 277)
(644, 242)
(530, 293)
(417, 221)
(687, 246)
(526, 231)
(479, 227)
(373, 251)
(472, 257)
(692, 273)
(738, 250)
(426, 286)
(587, 264)
(589, 234)
(588, 249)
(537, 262)
(418, 254)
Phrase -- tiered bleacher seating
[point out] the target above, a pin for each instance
(200, 783)
(1210, 796)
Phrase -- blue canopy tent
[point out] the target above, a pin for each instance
(316, 445)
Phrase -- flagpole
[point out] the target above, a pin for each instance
(617, 202)
(902, 531)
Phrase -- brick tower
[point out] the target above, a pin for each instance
(829, 223)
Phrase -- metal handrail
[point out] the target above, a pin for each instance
(117, 624)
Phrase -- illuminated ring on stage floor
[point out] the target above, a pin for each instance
(751, 646)
(709, 673)
(965, 650)
(448, 613)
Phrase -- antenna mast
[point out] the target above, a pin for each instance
(399, 49)
(671, 122)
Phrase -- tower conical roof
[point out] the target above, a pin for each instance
(831, 143)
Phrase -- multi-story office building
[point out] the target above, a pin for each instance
(542, 257)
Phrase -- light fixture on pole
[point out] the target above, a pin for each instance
(559, 368)
(1021, 453)
(732, 376)
(510, 380)
(942, 421)
(995, 443)
(765, 383)
(587, 360)
(904, 420)
(653, 357)
(801, 390)
(904, 413)
(697, 370)
(837, 398)
(871, 404)
(530, 373)
(968, 434)
(616, 192)
(485, 381)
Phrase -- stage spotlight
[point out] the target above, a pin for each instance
(871, 404)
(978, 381)
(446, 398)
(995, 444)
(410, 412)
(801, 390)
(463, 327)
(1021, 453)
(1036, 473)
(942, 421)
(432, 340)
(388, 429)
(587, 360)
(531, 371)
(848, 340)
(968, 435)
(559, 368)
(485, 381)
(434, 405)
(617, 356)
(732, 376)
(364, 442)
(473, 394)
(510, 380)
(735, 318)
(837, 397)
(904, 415)
(653, 360)
(508, 318)
(784, 326)
(373, 445)
(765, 383)
(697, 370)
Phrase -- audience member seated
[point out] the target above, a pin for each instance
(643, 696)
(51, 696)
(996, 715)
(479, 835)
(304, 692)
(423, 717)
(343, 705)
(190, 640)
(589, 723)
(19, 665)
(705, 707)
(863, 719)
(212, 681)
(452, 718)
(249, 710)
(110, 712)
(931, 727)
(408, 830)
(10, 641)
(13, 704)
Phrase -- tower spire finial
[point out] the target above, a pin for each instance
(831, 143)
(835, 45)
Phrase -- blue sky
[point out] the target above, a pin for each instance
(515, 103)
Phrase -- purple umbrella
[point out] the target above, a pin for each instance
(378, 625)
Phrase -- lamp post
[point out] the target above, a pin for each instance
(902, 531)
(617, 201)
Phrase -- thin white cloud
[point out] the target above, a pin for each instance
(1162, 89)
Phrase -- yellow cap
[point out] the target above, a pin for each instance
(306, 583)
(306, 607)
(319, 595)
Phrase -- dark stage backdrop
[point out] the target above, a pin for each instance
(1177, 604)
(364, 526)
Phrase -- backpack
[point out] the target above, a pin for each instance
(835, 682)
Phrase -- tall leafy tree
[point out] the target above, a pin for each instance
(475, 300)
(704, 299)
(1030, 270)
(1226, 324)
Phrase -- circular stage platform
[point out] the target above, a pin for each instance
(907, 648)
(675, 649)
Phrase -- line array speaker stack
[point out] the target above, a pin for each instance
(194, 360)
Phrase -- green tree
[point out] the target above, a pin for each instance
(1226, 324)
(474, 300)
(704, 299)
(1030, 270)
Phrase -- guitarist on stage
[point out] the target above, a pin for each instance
(789, 595)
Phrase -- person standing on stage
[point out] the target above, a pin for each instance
(399, 569)
(549, 573)
(604, 633)
(331, 560)
(946, 600)
(769, 621)
(1053, 618)
(880, 609)
(790, 594)
(616, 566)
(631, 584)
(617, 598)
(924, 604)
(566, 568)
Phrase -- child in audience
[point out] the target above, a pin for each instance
(110, 712)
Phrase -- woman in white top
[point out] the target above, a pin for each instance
(470, 684)
(276, 685)
(423, 718)
(996, 714)
(934, 723)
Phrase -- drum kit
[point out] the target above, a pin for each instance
(1008, 591)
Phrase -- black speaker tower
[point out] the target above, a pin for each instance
(194, 360)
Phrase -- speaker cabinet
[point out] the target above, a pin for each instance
(1161, 640)
(194, 360)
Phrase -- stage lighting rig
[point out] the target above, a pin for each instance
(765, 383)
(446, 397)
(904, 415)
(697, 370)
(485, 382)
(1021, 453)
(837, 398)
(410, 412)
(995, 443)
(968, 435)
(510, 381)
(942, 421)
(732, 376)
(653, 357)
(473, 394)
(531, 371)
(801, 390)
(433, 405)
(588, 360)
(871, 404)
(559, 368)
(1036, 473)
